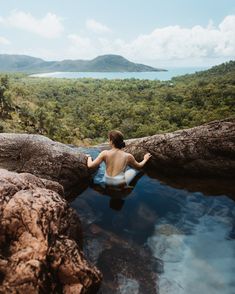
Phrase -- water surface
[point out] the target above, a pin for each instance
(157, 238)
(161, 75)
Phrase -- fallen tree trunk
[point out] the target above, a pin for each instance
(206, 150)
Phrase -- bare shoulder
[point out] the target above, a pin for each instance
(103, 153)
(129, 156)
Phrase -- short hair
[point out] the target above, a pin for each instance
(117, 138)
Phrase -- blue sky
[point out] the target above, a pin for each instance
(159, 33)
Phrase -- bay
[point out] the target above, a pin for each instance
(161, 75)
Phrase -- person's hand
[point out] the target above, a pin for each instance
(88, 155)
(147, 156)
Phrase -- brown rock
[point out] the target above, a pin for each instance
(122, 266)
(206, 150)
(40, 239)
(43, 157)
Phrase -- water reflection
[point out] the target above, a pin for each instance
(116, 203)
(208, 186)
(117, 194)
(159, 237)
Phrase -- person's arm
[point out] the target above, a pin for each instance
(94, 163)
(138, 165)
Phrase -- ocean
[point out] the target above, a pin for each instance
(161, 75)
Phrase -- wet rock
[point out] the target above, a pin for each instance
(43, 157)
(206, 150)
(142, 218)
(167, 229)
(40, 239)
(127, 269)
(125, 265)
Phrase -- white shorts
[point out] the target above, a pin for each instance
(123, 178)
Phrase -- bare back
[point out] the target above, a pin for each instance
(116, 162)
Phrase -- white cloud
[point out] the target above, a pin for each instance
(175, 42)
(96, 26)
(86, 48)
(4, 41)
(80, 47)
(165, 44)
(49, 26)
(79, 41)
(170, 45)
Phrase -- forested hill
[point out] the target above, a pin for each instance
(219, 71)
(224, 68)
(82, 111)
(104, 63)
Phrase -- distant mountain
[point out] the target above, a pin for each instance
(104, 63)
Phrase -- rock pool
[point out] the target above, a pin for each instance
(160, 237)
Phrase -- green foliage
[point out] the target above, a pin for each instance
(5, 100)
(77, 111)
